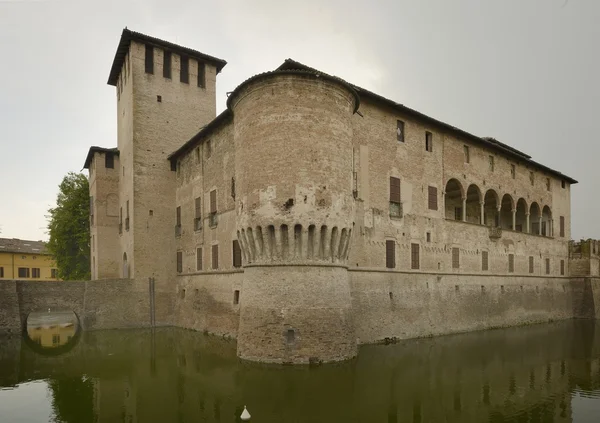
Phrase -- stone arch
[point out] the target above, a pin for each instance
(125, 267)
(112, 205)
(491, 205)
(473, 204)
(453, 195)
(507, 205)
(547, 221)
(521, 215)
(535, 214)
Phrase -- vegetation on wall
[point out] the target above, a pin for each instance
(69, 228)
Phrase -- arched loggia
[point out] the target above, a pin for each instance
(491, 206)
(506, 212)
(535, 217)
(453, 200)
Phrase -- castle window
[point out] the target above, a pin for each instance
(484, 260)
(400, 131)
(1, 272)
(23, 272)
(562, 267)
(467, 154)
(455, 258)
(208, 149)
(236, 297)
(547, 184)
(562, 226)
(414, 256)
(547, 266)
(395, 205)
(212, 218)
(513, 171)
(201, 75)
(428, 141)
(491, 163)
(457, 213)
(178, 222)
(390, 254)
(428, 236)
(54, 273)
(179, 262)
(531, 178)
(120, 220)
(197, 154)
(198, 258)
(511, 263)
(237, 254)
(432, 198)
(198, 215)
(184, 74)
(530, 264)
(563, 184)
(215, 256)
(91, 210)
(109, 161)
(127, 217)
(35, 272)
(149, 59)
(167, 64)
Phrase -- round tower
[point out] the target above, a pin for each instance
(293, 140)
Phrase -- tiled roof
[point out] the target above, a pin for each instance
(128, 35)
(13, 245)
(94, 149)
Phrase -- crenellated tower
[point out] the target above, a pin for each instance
(293, 140)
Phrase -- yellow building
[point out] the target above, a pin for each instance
(22, 259)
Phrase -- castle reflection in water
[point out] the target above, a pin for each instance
(528, 374)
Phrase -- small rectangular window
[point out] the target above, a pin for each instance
(237, 254)
(547, 184)
(428, 141)
(198, 214)
(390, 254)
(184, 74)
(54, 273)
(149, 59)
(400, 131)
(432, 198)
(178, 216)
(491, 161)
(201, 75)
(198, 258)
(414, 256)
(167, 64)
(428, 236)
(484, 260)
(562, 267)
(1, 272)
(236, 297)
(513, 171)
(562, 226)
(109, 161)
(531, 178)
(215, 256)
(467, 155)
(395, 204)
(35, 272)
(455, 258)
(208, 149)
(530, 264)
(511, 263)
(197, 154)
(563, 184)
(547, 266)
(179, 262)
(23, 272)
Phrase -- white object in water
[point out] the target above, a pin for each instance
(245, 415)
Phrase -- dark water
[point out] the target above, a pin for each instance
(544, 373)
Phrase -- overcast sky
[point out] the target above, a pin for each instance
(523, 71)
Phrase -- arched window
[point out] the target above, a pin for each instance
(453, 195)
(473, 204)
(490, 208)
(535, 214)
(521, 217)
(506, 209)
(547, 221)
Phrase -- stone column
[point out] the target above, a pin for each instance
(514, 219)
(498, 210)
(527, 229)
(464, 209)
(481, 212)
(540, 226)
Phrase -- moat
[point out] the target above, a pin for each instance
(541, 373)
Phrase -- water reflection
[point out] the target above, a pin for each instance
(546, 373)
(52, 329)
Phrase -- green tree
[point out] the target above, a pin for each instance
(69, 228)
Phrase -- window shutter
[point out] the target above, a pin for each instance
(547, 266)
(511, 263)
(179, 216)
(394, 190)
(198, 258)
(179, 262)
(484, 260)
(215, 256)
(562, 267)
(213, 201)
(562, 226)
(167, 64)
(184, 75)
(198, 208)
(149, 59)
(237, 254)
(390, 254)
(530, 264)
(455, 258)
(201, 75)
(432, 198)
(414, 256)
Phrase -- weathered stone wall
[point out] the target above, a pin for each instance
(106, 304)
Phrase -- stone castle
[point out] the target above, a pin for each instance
(312, 215)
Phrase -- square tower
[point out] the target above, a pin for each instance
(165, 95)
